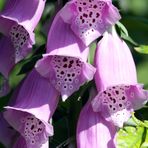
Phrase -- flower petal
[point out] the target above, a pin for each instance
(24, 12)
(93, 130)
(66, 74)
(35, 97)
(114, 63)
(90, 19)
(6, 56)
(117, 103)
(7, 134)
(65, 43)
(20, 143)
(34, 130)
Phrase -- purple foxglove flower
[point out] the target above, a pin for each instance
(116, 103)
(116, 80)
(93, 130)
(35, 103)
(89, 19)
(65, 65)
(17, 23)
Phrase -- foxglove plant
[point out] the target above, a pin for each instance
(118, 96)
(116, 81)
(79, 23)
(17, 23)
(64, 64)
(31, 109)
(89, 19)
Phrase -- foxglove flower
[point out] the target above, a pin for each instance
(64, 64)
(93, 130)
(17, 23)
(116, 80)
(89, 19)
(29, 114)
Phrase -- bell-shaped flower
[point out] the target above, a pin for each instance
(89, 19)
(116, 81)
(32, 108)
(10, 138)
(64, 64)
(93, 130)
(17, 23)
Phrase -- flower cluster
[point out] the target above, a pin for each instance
(63, 69)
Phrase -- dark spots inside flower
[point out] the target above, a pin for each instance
(83, 20)
(80, 9)
(71, 62)
(65, 80)
(123, 98)
(70, 80)
(93, 20)
(73, 74)
(117, 92)
(62, 72)
(65, 66)
(114, 100)
(120, 105)
(32, 127)
(64, 59)
(109, 94)
(84, 3)
(68, 75)
(114, 108)
(90, 25)
(90, 14)
(110, 106)
(85, 15)
(95, 6)
(17, 35)
(70, 65)
(104, 92)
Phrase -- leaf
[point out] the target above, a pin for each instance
(122, 28)
(142, 49)
(130, 137)
(29, 65)
(92, 53)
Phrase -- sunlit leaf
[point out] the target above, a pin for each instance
(142, 49)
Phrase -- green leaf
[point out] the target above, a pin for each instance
(122, 28)
(142, 49)
(29, 65)
(92, 53)
(130, 137)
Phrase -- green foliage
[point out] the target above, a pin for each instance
(142, 49)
